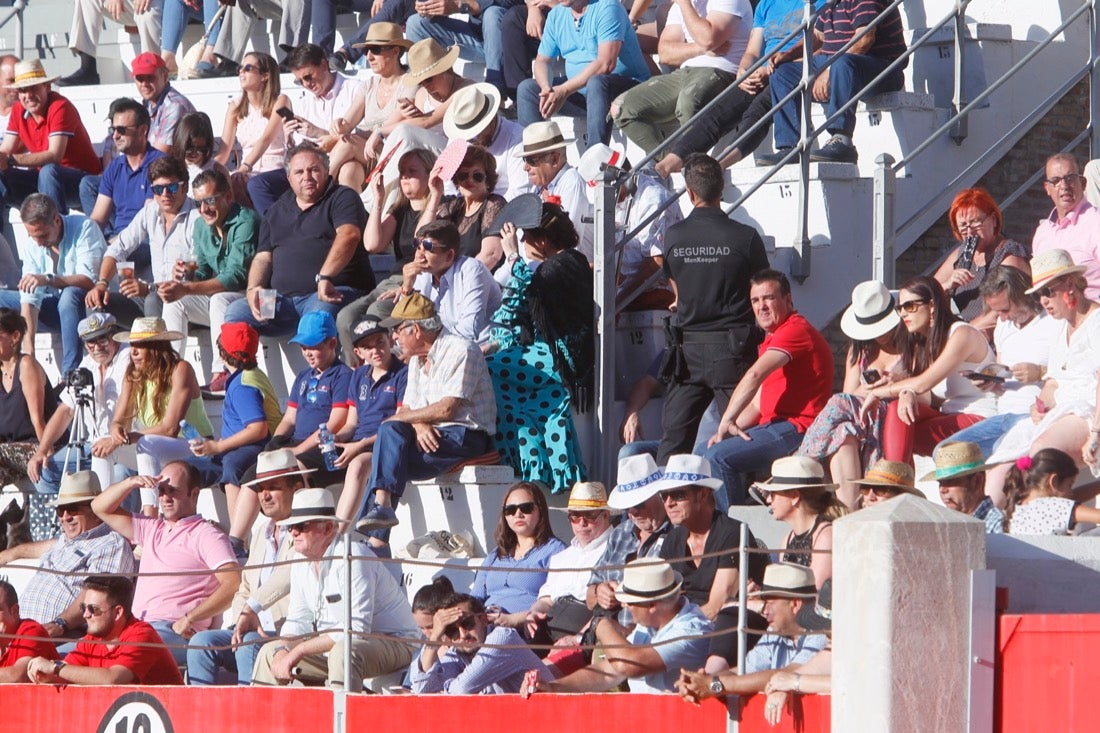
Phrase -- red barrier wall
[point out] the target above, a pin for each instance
(1048, 670)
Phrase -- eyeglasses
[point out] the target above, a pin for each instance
(1069, 179)
(965, 226)
(88, 608)
(102, 342)
(675, 496)
(377, 49)
(428, 244)
(248, 69)
(121, 130)
(72, 509)
(171, 188)
(584, 517)
(882, 492)
(911, 306)
(397, 330)
(526, 508)
(477, 176)
(466, 623)
(210, 200)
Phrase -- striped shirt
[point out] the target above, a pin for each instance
(839, 21)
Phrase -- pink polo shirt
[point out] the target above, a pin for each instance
(1079, 234)
(190, 544)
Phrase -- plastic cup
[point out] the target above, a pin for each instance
(267, 303)
(190, 265)
(125, 270)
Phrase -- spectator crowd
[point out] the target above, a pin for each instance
(477, 347)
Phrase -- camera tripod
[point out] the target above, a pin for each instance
(78, 430)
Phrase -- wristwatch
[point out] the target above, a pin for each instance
(319, 277)
(716, 686)
(63, 624)
(57, 665)
(464, 8)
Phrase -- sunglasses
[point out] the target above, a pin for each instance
(196, 150)
(248, 69)
(72, 509)
(533, 159)
(122, 130)
(1048, 291)
(466, 623)
(428, 244)
(463, 176)
(911, 306)
(88, 608)
(377, 49)
(301, 526)
(882, 492)
(311, 389)
(526, 508)
(210, 200)
(675, 496)
(171, 188)
(583, 517)
(1069, 179)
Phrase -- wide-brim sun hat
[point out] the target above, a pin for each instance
(384, 34)
(687, 469)
(273, 464)
(311, 505)
(1051, 265)
(541, 137)
(147, 329)
(891, 475)
(472, 109)
(30, 73)
(427, 59)
(955, 460)
(795, 472)
(871, 313)
(786, 580)
(586, 496)
(76, 488)
(646, 580)
(637, 478)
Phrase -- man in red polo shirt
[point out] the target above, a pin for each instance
(780, 394)
(46, 148)
(109, 654)
(32, 641)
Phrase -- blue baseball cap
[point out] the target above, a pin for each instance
(313, 328)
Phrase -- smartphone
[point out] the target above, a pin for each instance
(285, 113)
(979, 377)
(870, 376)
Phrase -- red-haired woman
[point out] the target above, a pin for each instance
(976, 222)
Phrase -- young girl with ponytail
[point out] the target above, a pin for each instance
(1038, 494)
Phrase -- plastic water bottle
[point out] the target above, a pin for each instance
(191, 434)
(328, 446)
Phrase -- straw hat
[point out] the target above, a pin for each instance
(955, 460)
(871, 313)
(541, 137)
(786, 580)
(148, 329)
(310, 505)
(77, 488)
(892, 475)
(1050, 265)
(472, 109)
(384, 34)
(795, 472)
(646, 580)
(274, 463)
(427, 59)
(638, 476)
(686, 469)
(30, 73)
(586, 496)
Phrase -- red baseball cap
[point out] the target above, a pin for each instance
(146, 63)
(240, 340)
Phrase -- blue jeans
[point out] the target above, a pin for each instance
(594, 104)
(265, 189)
(176, 643)
(324, 22)
(60, 312)
(478, 41)
(289, 309)
(847, 78)
(398, 459)
(986, 433)
(60, 183)
(203, 664)
(174, 23)
(734, 457)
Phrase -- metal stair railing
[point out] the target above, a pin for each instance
(886, 231)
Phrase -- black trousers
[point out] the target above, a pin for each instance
(519, 49)
(713, 370)
(741, 110)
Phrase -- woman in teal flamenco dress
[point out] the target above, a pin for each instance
(542, 351)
